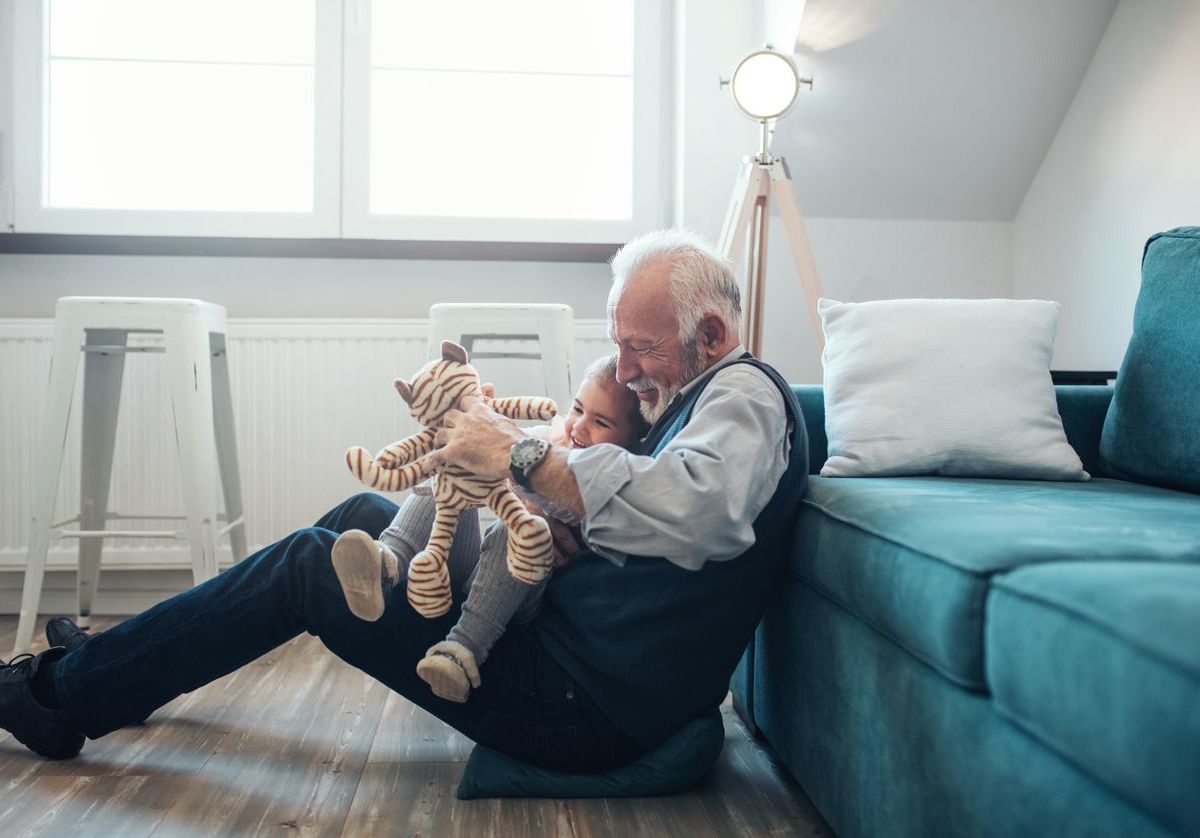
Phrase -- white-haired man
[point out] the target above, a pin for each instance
(640, 630)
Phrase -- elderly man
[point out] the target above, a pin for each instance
(640, 630)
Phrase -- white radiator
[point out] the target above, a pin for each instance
(303, 391)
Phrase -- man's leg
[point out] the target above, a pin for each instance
(528, 706)
(123, 674)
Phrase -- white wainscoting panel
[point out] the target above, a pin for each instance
(303, 391)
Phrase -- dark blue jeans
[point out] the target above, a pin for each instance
(527, 706)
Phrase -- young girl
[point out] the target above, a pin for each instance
(604, 411)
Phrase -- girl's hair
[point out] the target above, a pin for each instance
(604, 372)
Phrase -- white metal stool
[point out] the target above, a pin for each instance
(194, 344)
(551, 325)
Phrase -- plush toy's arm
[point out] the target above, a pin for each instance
(406, 450)
(525, 407)
(387, 479)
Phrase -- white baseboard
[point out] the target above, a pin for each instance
(121, 592)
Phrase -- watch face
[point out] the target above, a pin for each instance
(526, 452)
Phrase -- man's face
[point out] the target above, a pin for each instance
(651, 361)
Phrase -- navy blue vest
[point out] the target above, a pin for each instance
(653, 644)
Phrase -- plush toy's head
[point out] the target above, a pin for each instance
(439, 385)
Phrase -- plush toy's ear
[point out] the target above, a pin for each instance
(451, 351)
(403, 388)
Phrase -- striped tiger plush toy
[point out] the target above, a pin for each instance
(439, 386)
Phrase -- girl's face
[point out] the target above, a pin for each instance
(598, 415)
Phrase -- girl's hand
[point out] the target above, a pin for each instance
(565, 544)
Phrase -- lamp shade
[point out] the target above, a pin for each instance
(765, 84)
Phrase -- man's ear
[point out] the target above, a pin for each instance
(451, 351)
(712, 333)
(403, 388)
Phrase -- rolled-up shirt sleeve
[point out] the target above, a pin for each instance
(697, 500)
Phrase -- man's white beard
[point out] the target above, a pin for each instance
(692, 367)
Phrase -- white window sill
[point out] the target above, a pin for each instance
(62, 244)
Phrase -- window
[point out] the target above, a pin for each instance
(529, 120)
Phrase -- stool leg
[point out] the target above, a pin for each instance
(190, 370)
(557, 348)
(64, 366)
(102, 374)
(227, 457)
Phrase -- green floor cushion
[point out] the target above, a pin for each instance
(1100, 661)
(1150, 432)
(913, 556)
(676, 764)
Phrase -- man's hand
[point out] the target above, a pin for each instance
(476, 439)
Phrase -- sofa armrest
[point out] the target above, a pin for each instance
(1083, 408)
(812, 405)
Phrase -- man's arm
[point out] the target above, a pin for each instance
(478, 440)
(697, 500)
(553, 480)
(693, 503)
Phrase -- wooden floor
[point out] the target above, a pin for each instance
(300, 742)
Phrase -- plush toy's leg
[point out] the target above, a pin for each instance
(367, 571)
(530, 547)
(428, 577)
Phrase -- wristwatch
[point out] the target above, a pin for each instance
(524, 456)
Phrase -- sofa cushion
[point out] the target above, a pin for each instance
(1101, 662)
(1150, 432)
(952, 387)
(913, 556)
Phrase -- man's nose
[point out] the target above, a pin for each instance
(627, 370)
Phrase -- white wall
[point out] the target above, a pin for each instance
(870, 259)
(858, 259)
(1124, 164)
(272, 287)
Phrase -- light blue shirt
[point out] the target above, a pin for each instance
(697, 500)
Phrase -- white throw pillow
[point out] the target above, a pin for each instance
(952, 387)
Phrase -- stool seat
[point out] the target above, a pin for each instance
(550, 324)
(193, 341)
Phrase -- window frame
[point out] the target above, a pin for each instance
(341, 142)
(30, 176)
(649, 195)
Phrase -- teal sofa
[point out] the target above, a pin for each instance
(952, 656)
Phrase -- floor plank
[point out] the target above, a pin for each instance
(298, 741)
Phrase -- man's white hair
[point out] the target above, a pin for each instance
(701, 279)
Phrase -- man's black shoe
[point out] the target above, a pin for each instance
(36, 727)
(60, 631)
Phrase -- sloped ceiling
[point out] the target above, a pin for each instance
(932, 109)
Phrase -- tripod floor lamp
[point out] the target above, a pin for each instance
(765, 86)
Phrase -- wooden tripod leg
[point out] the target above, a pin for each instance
(793, 223)
(741, 203)
(747, 218)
